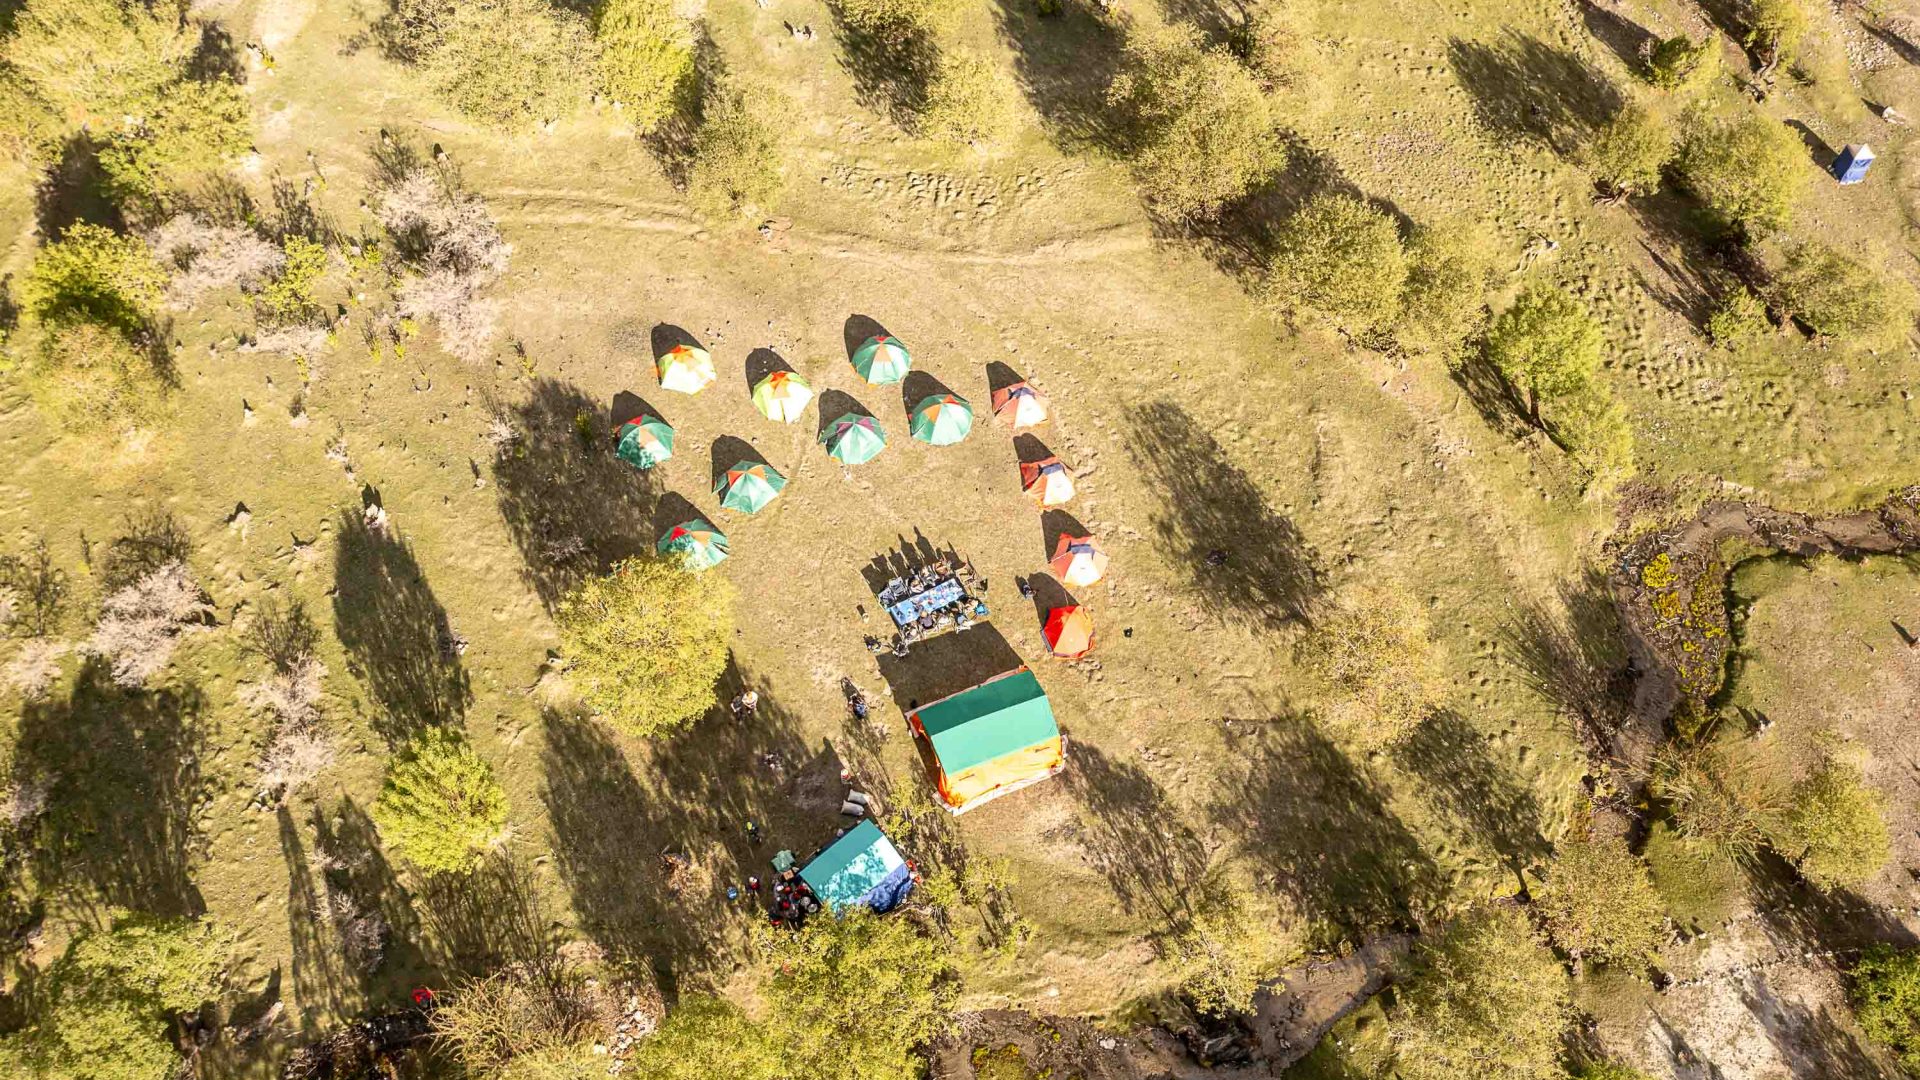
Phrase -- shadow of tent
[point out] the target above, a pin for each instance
(948, 664)
(1029, 449)
(1000, 376)
(728, 451)
(762, 363)
(918, 386)
(672, 509)
(858, 329)
(1047, 595)
(837, 403)
(628, 405)
(1057, 523)
(666, 335)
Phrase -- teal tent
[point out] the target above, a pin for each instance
(862, 867)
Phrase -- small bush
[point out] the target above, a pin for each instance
(1700, 885)
(142, 624)
(512, 63)
(1839, 296)
(94, 275)
(207, 257)
(33, 669)
(98, 61)
(1274, 44)
(1835, 828)
(1681, 63)
(91, 379)
(1216, 957)
(738, 153)
(646, 59)
(1722, 796)
(1444, 303)
(1593, 425)
(1774, 29)
(1203, 131)
(452, 240)
(1627, 154)
(1484, 998)
(1339, 258)
(1747, 168)
(1599, 902)
(196, 128)
(289, 298)
(1547, 346)
(410, 30)
(1885, 994)
(1740, 320)
(1377, 651)
(970, 100)
(646, 644)
(894, 20)
(441, 806)
(521, 1011)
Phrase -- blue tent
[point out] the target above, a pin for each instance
(862, 867)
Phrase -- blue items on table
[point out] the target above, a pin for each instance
(925, 603)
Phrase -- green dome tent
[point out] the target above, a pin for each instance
(644, 441)
(942, 419)
(749, 486)
(882, 359)
(854, 439)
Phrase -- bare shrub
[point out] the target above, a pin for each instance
(467, 323)
(35, 667)
(300, 750)
(294, 339)
(141, 624)
(32, 591)
(206, 257)
(24, 800)
(363, 933)
(457, 248)
(292, 693)
(294, 758)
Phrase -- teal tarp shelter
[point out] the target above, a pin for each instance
(862, 867)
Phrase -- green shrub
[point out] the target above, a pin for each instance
(524, 1015)
(289, 297)
(894, 20)
(1747, 168)
(1740, 320)
(1722, 795)
(703, 1037)
(1885, 994)
(646, 59)
(857, 994)
(512, 63)
(94, 275)
(971, 99)
(1593, 425)
(1835, 828)
(197, 128)
(1340, 258)
(1547, 346)
(1840, 296)
(646, 644)
(30, 130)
(1483, 999)
(1216, 957)
(1681, 63)
(95, 62)
(1774, 29)
(441, 805)
(1275, 44)
(1203, 131)
(1628, 153)
(739, 151)
(1444, 304)
(1376, 650)
(91, 378)
(1599, 902)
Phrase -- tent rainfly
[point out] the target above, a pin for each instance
(1078, 560)
(991, 739)
(749, 486)
(862, 867)
(882, 360)
(782, 396)
(1020, 405)
(1069, 632)
(853, 439)
(941, 419)
(686, 368)
(644, 441)
(1047, 480)
(697, 543)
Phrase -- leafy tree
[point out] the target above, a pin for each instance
(1593, 425)
(441, 805)
(1885, 993)
(704, 1037)
(108, 1001)
(1217, 957)
(1275, 43)
(1547, 345)
(646, 643)
(1840, 296)
(90, 378)
(196, 128)
(1376, 649)
(1599, 901)
(511, 63)
(30, 130)
(1740, 320)
(1681, 63)
(646, 58)
(95, 62)
(1835, 827)
(92, 274)
(1747, 168)
(1203, 131)
(1627, 154)
(1340, 258)
(1484, 999)
(739, 151)
(1774, 29)
(970, 100)
(288, 298)
(1444, 303)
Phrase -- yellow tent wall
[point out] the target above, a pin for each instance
(1007, 770)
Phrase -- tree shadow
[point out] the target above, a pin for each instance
(944, 665)
(1893, 39)
(1134, 835)
(1321, 826)
(891, 72)
(1471, 790)
(571, 506)
(73, 190)
(356, 866)
(1523, 88)
(321, 981)
(216, 56)
(1802, 917)
(728, 451)
(1823, 155)
(1213, 505)
(1814, 1044)
(1491, 395)
(673, 509)
(833, 404)
(762, 363)
(1064, 65)
(858, 329)
(488, 919)
(1683, 1060)
(1572, 658)
(1217, 20)
(918, 386)
(148, 540)
(119, 829)
(1627, 39)
(398, 639)
(1240, 237)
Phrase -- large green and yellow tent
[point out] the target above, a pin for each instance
(644, 441)
(853, 439)
(990, 739)
(748, 486)
(782, 396)
(881, 359)
(942, 419)
(686, 368)
(698, 544)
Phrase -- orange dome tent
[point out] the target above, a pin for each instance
(1047, 480)
(1069, 632)
(1020, 405)
(1079, 561)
